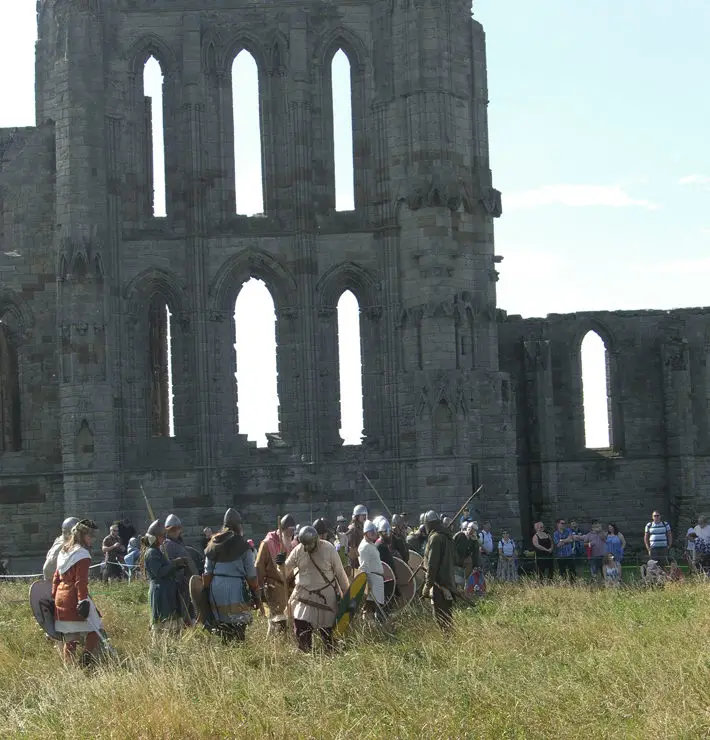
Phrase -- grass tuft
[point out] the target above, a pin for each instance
(543, 662)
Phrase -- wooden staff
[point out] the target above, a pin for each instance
(369, 483)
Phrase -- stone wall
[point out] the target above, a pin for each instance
(417, 251)
(659, 382)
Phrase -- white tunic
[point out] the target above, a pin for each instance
(371, 564)
(314, 599)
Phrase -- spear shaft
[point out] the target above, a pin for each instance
(369, 483)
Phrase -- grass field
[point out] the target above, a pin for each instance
(530, 662)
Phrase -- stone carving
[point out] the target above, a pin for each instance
(437, 190)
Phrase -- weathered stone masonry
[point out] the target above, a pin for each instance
(85, 270)
(659, 397)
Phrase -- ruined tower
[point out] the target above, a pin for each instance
(99, 281)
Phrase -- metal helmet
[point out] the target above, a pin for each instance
(172, 521)
(398, 520)
(431, 516)
(232, 519)
(308, 537)
(383, 526)
(287, 521)
(369, 526)
(340, 519)
(359, 510)
(134, 544)
(156, 529)
(446, 521)
(68, 524)
(321, 526)
(422, 518)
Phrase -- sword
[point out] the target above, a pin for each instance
(151, 513)
(369, 483)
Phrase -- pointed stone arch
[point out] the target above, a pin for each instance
(341, 37)
(245, 40)
(151, 45)
(348, 276)
(140, 290)
(248, 263)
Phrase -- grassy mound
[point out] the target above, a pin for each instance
(530, 662)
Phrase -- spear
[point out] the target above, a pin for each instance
(459, 512)
(151, 513)
(369, 483)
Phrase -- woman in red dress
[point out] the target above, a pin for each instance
(76, 616)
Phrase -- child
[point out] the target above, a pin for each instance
(612, 571)
(690, 548)
(675, 573)
(652, 574)
(507, 558)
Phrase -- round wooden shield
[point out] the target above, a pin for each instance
(389, 579)
(349, 606)
(390, 582)
(199, 600)
(406, 585)
(416, 564)
(41, 604)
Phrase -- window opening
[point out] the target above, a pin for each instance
(153, 90)
(343, 148)
(162, 399)
(9, 396)
(248, 173)
(256, 376)
(350, 360)
(595, 392)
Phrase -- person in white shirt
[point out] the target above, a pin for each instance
(371, 565)
(702, 542)
(485, 539)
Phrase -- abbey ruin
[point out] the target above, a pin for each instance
(456, 392)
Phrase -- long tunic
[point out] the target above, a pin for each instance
(162, 590)
(371, 564)
(70, 586)
(315, 598)
(174, 549)
(228, 598)
(273, 577)
(439, 559)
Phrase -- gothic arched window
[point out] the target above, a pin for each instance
(350, 359)
(343, 144)
(248, 148)
(10, 440)
(596, 400)
(257, 386)
(161, 368)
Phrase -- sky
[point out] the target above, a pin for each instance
(600, 145)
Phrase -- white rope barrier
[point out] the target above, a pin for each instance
(128, 569)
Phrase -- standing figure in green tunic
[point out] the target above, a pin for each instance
(165, 612)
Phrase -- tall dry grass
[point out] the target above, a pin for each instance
(530, 662)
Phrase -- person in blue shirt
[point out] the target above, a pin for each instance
(132, 558)
(564, 550)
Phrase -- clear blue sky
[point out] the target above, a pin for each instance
(600, 143)
(593, 103)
